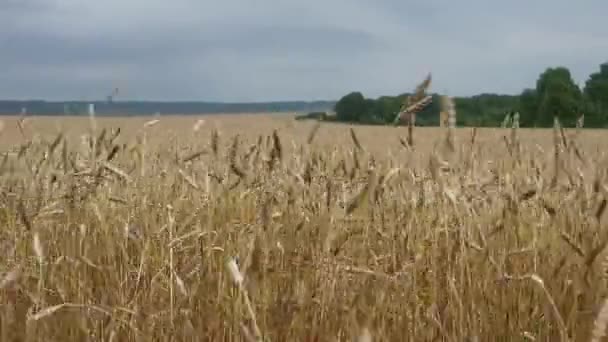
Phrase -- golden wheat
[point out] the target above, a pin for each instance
(274, 232)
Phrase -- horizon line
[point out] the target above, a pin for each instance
(237, 102)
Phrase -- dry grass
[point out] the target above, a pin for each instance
(262, 228)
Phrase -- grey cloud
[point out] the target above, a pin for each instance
(296, 40)
(20, 6)
(39, 48)
(273, 50)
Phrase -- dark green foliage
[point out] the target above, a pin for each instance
(351, 107)
(596, 87)
(558, 96)
(555, 94)
(480, 110)
(484, 110)
(528, 106)
(386, 107)
(596, 96)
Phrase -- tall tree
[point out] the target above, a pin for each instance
(559, 96)
(351, 107)
(596, 88)
(528, 107)
(387, 107)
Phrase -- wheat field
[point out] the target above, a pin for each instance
(263, 228)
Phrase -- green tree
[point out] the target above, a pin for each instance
(555, 94)
(528, 108)
(386, 107)
(351, 107)
(596, 86)
(429, 115)
(559, 96)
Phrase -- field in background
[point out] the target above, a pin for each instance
(378, 139)
(248, 224)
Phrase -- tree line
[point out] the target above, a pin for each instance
(127, 108)
(555, 95)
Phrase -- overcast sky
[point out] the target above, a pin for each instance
(238, 50)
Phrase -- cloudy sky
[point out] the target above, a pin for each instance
(263, 50)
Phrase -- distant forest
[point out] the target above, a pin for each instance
(554, 95)
(127, 108)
